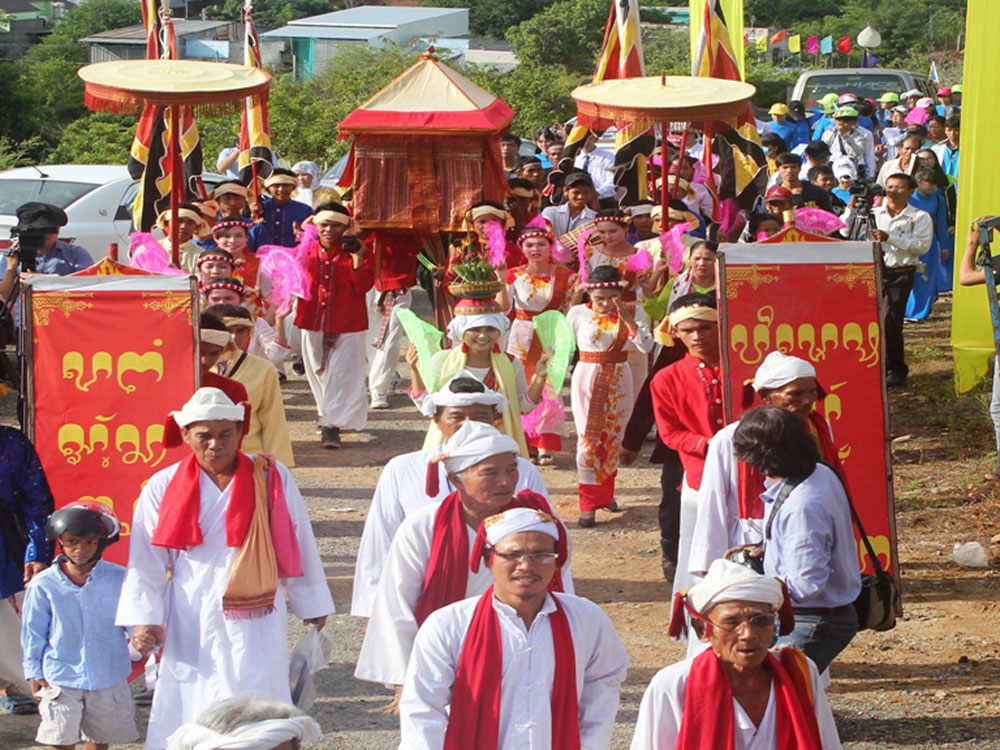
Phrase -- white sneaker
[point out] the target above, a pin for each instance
(380, 401)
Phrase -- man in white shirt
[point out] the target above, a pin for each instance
(600, 165)
(401, 489)
(846, 139)
(518, 667)
(578, 189)
(736, 693)
(428, 563)
(905, 233)
(905, 162)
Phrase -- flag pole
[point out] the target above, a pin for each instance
(176, 181)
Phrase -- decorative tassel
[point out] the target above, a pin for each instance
(748, 394)
(247, 614)
(678, 624)
(496, 244)
(786, 615)
(478, 546)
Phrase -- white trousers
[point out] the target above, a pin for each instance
(683, 580)
(339, 390)
(11, 670)
(382, 362)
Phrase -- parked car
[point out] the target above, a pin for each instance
(97, 198)
(867, 83)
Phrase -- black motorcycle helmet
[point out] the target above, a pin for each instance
(87, 519)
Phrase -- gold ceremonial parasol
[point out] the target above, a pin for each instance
(662, 99)
(127, 86)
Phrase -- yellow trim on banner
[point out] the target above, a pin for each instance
(733, 11)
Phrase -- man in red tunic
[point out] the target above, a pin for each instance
(687, 403)
(334, 322)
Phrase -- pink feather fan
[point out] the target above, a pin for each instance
(673, 246)
(496, 244)
(146, 253)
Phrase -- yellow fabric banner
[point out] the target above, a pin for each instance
(795, 43)
(978, 188)
(733, 12)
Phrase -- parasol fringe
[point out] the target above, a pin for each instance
(129, 103)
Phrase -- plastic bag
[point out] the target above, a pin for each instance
(310, 654)
(970, 555)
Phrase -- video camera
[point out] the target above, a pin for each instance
(865, 191)
(25, 246)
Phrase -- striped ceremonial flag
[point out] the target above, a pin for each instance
(742, 166)
(255, 136)
(149, 158)
(621, 57)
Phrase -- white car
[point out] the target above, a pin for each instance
(97, 198)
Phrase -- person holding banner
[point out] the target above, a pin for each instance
(730, 512)
(229, 529)
(687, 403)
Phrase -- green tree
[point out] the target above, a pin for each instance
(491, 18)
(96, 138)
(666, 51)
(539, 96)
(269, 14)
(568, 33)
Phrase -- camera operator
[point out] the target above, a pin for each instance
(905, 234)
(37, 247)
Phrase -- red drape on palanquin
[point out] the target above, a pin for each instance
(425, 148)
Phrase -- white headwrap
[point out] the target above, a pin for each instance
(844, 167)
(727, 581)
(517, 520)
(446, 397)
(474, 442)
(779, 369)
(212, 336)
(261, 735)
(462, 323)
(206, 405)
(309, 168)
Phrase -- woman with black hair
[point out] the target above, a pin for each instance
(808, 533)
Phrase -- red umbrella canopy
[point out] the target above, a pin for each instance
(429, 98)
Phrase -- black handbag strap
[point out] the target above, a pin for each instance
(786, 490)
(879, 570)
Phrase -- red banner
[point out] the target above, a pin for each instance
(818, 300)
(111, 355)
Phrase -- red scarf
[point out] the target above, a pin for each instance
(750, 482)
(448, 568)
(708, 720)
(475, 699)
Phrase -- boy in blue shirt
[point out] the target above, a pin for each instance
(76, 659)
(281, 215)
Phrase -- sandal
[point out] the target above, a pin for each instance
(546, 459)
(16, 703)
(586, 523)
(614, 507)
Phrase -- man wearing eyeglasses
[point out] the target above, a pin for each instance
(519, 666)
(428, 562)
(904, 163)
(736, 693)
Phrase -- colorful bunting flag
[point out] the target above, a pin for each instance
(761, 43)
(932, 76)
(826, 45)
(794, 43)
(779, 37)
(812, 45)
(844, 45)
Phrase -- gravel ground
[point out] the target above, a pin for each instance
(930, 683)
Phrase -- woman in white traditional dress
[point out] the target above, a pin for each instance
(602, 388)
(540, 284)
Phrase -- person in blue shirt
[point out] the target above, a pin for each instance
(808, 532)
(232, 199)
(947, 151)
(946, 106)
(76, 659)
(824, 122)
(39, 224)
(797, 116)
(281, 215)
(936, 274)
(888, 100)
(25, 503)
(780, 125)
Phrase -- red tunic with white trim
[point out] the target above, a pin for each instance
(338, 292)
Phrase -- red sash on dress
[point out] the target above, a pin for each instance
(474, 716)
(708, 720)
(561, 276)
(606, 361)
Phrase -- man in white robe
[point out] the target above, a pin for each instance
(208, 656)
(482, 465)
(401, 489)
(735, 609)
(540, 635)
(783, 381)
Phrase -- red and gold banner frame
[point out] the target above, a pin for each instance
(819, 300)
(108, 356)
